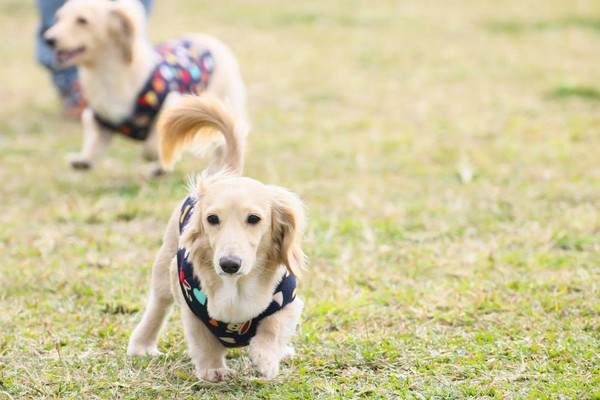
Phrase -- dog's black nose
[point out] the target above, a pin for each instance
(230, 265)
(50, 41)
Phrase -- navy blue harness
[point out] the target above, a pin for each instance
(230, 335)
(184, 67)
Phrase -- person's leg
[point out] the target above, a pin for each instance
(63, 78)
(147, 5)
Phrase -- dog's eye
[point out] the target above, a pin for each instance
(82, 21)
(212, 219)
(253, 219)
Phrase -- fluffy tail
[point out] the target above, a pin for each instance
(196, 118)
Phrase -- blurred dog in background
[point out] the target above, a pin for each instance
(127, 82)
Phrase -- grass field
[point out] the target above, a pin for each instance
(449, 156)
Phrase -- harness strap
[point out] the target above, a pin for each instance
(184, 67)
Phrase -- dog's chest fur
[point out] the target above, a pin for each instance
(111, 86)
(239, 300)
(115, 103)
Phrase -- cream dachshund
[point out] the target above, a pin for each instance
(230, 255)
(127, 82)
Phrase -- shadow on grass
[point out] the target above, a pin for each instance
(517, 27)
(581, 92)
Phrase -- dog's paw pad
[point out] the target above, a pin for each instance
(215, 374)
(265, 363)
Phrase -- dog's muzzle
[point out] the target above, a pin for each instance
(50, 41)
(230, 265)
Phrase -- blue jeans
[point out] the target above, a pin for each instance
(65, 80)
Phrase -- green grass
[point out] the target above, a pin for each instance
(450, 170)
(582, 92)
(570, 21)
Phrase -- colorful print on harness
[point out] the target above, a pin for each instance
(184, 67)
(229, 334)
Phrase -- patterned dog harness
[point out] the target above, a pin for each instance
(184, 67)
(230, 335)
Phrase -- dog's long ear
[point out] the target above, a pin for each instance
(288, 220)
(197, 188)
(121, 28)
(194, 228)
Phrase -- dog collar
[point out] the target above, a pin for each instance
(230, 335)
(184, 67)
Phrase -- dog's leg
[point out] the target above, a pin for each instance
(145, 335)
(95, 142)
(271, 343)
(150, 153)
(207, 353)
(151, 150)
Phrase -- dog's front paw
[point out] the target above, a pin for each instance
(141, 349)
(288, 353)
(158, 170)
(79, 162)
(215, 374)
(265, 362)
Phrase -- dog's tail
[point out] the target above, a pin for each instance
(197, 119)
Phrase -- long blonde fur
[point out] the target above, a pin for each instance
(202, 117)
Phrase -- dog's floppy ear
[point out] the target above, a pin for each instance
(197, 187)
(288, 220)
(122, 30)
(194, 228)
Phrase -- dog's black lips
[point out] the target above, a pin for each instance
(63, 56)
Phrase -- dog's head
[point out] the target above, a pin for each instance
(86, 29)
(241, 226)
